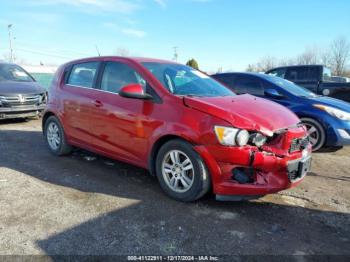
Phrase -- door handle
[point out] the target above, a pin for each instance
(97, 103)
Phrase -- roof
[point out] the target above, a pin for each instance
(135, 59)
(260, 75)
(288, 66)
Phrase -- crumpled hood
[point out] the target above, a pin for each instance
(246, 112)
(23, 88)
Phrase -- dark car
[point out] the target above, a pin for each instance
(20, 95)
(316, 78)
(327, 119)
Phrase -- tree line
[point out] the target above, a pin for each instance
(336, 57)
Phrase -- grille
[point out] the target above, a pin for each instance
(299, 144)
(21, 100)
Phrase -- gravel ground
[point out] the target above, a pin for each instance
(85, 204)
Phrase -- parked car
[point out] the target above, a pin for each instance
(20, 95)
(186, 128)
(340, 79)
(327, 119)
(316, 78)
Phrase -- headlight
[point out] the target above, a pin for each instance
(229, 136)
(258, 139)
(342, 115)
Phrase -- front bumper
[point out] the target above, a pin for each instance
(270, 173)
(22, 111)
(338, 133)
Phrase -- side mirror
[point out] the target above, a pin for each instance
(273, 93)
(134, 91)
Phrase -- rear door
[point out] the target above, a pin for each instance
(76, 97)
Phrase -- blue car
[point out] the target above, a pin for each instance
(327, 119)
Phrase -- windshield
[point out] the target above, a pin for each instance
(10, 72)
(184, 80)
(290, 87)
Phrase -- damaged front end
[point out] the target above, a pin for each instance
(254, 170)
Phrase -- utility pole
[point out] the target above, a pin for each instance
(9, 27)
(176, 55)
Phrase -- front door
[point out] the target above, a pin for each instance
(119, 124)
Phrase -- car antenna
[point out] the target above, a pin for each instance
(97, 50)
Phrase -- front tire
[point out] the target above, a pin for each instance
(317, 134)
(181, 172)
(55, 137)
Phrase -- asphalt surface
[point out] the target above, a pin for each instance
(90, 205)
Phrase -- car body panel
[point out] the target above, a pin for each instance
(245, 111)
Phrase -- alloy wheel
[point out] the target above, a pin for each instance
(314, 134)
(53, 136)
(178, 171)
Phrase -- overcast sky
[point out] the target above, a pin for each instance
(217, 33)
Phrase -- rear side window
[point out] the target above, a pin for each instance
(117, 75)
(249, 85)
(83, 74)
(302, 73)
(314, 73)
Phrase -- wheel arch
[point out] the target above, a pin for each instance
(46, 115)
(318, 119)
(322, 124)
(157, 145)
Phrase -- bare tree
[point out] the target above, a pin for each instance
(339, 53)
(251, 68)
(308, 57)
(326, 59)
(265, 64)
(287, 62)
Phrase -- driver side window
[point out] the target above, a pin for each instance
(117, 75)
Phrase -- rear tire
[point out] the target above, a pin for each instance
(55, 137)
(316, 133)
(181, 172)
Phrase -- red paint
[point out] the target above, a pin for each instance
(133, 89)
(127, 129)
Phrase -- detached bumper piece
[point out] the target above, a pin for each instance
(297, 169)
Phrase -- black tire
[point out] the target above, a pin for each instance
(330, 149)
(201, 176)
(63, 148)
(321, 139)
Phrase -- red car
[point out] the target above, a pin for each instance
(190, 131)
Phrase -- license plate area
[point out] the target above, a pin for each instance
(299, 168)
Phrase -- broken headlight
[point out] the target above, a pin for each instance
(230, 136)
(257, 139)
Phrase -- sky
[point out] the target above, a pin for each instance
(218, 33)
